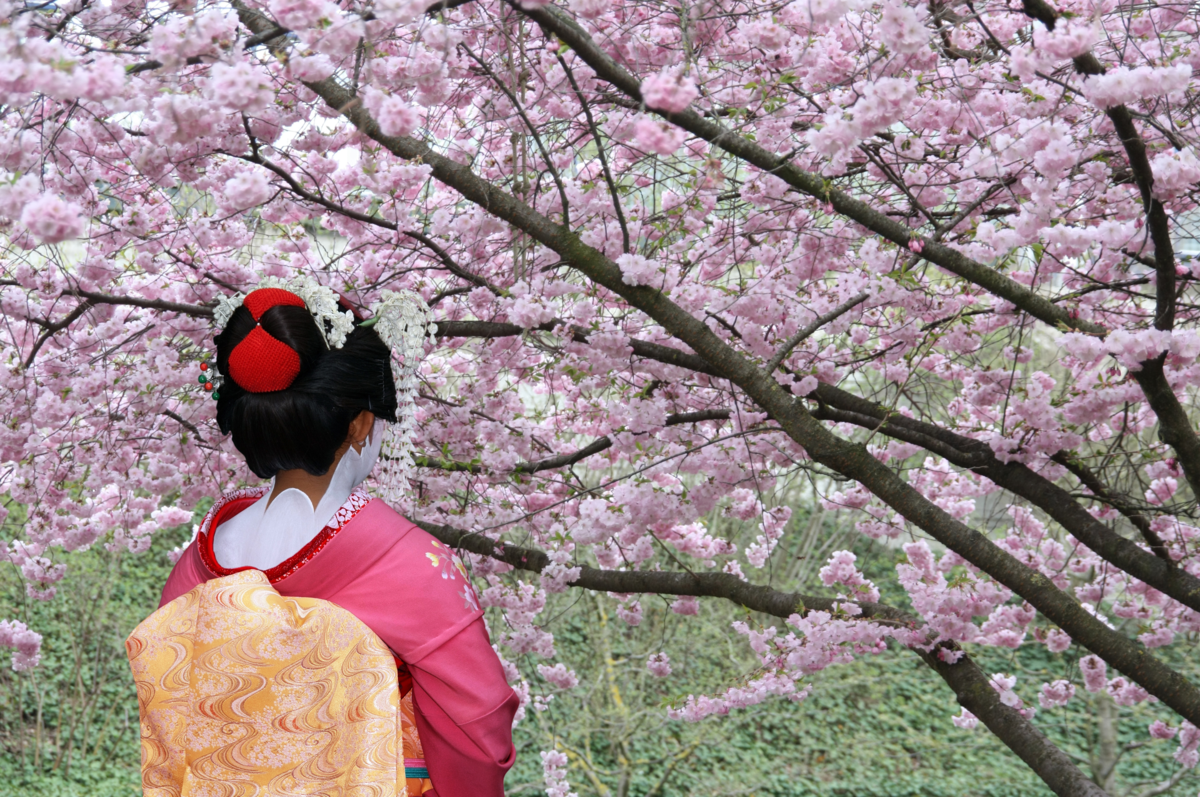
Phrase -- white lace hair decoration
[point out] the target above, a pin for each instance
(334, 322)
(404, 323)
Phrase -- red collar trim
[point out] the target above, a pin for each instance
(231, 504)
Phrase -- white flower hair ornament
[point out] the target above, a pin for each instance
(334, 322)
(403, 321)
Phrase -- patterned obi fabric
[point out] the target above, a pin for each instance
(240, 686)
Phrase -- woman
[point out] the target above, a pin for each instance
(306, 406)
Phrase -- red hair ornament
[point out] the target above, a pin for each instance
(262, 363)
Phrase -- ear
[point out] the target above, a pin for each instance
(360, 427)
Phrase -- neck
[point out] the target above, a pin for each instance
(299, 479)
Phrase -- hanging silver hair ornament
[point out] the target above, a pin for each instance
(404, 323)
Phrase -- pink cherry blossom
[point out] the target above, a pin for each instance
(902, 28)
(26, 645)
(965, 720)
(659, 664)
(1175, 172)
(241, 87)
(1094, 673)
(630, 612)
(656, 136)
(638, 270)
(395, 117)
(1056, 694)
(1003, 684)
(1057, 641)
(1068, 40)
(687, 605)
(841, 571)
(51, 219)
(559, 675)
(300, 13)
(311, 67)
(1160, 730)
(247, 189)
(1124, 85)
(589, 9)
(554, 767)
(1189, 739)
(671, 90)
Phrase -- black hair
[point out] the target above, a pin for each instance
(304, 425)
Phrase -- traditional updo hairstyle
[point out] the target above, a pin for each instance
(287, 398)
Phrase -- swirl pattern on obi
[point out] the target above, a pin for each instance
(244, 692)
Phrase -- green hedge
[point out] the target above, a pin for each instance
(879, 727)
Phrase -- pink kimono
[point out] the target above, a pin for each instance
(412, 592)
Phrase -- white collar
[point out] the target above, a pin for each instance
(262, 536)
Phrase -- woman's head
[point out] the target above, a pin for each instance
(287, 398)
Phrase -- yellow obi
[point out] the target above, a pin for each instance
(245, 692)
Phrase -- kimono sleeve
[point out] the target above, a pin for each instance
(464, 714)
(187, 574)
(420, 601)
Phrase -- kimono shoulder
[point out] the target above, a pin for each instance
(401, 581)
(406, 585)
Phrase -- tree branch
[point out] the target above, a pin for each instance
(93, 298)
(969, 684)
(556, 23)
(186, 424)
(957, 449)
(196, 60)
(971, 208)
(450, 263)
(439, 252)
(554, 175)
(1175, 426)
(1134, 515)
(597, 446)
(487, 329)
(604, 443)
(1165, 786)
(974, 455)
(605, 170)
(642, 348)
(52, 329)
(194, 310)
(849, 459)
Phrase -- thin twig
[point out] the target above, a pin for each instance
(54, 328)
(186, 424)
(554, 175)
(608, 178)
(808, 331)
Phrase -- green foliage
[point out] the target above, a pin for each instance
(70, 726)
(879, 727)
(876, 728)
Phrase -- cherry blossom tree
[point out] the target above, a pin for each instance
(924, 259)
